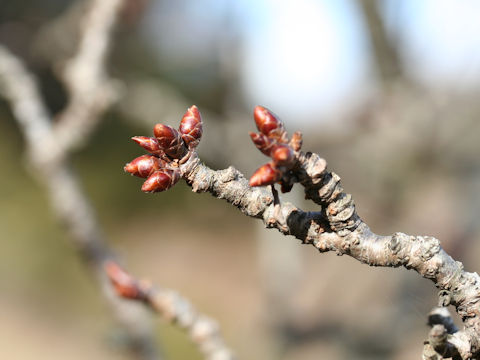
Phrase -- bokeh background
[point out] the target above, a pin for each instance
(386, 91)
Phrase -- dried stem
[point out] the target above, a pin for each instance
(48, 147)
(337, 227)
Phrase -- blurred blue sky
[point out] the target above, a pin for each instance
(307, 57)
(441, 39)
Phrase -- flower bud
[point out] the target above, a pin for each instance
(267, 123)
(125, 285)
(262, 142)
(265, 175)
(161, 180)
(191, 127)
(144, 166)
(149, 143)
(296, 141)
(283, 155)
(169, 140)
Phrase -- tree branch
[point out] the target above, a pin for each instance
(90, 90)
(438, 346)
(174, 308)
(385, 51)
(337, 227)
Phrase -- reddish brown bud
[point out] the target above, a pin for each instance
(149, 143)
(262, 142)
(161, 180)
(144, 166)
(265, 175)
(191, 127)
(283, 155)
(169, 140)
(268, 124)
(124, 284)
(296, 141)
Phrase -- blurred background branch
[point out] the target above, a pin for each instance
(48, 152)
(90, 90)
(204, 331)
(385, 51)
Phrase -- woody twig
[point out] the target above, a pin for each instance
(336, 225)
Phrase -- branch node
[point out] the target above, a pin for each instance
(395, 243)
(444, 298)
(316, 168)
(229, 174)
(431, 247)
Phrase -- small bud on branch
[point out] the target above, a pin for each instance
(125, 285)
(161, 180)
(273, 142)
(262, 142)
(150, 144)
(144, 166)
(265, 175)
(168, 149)
(191, 127)
(170, 141)
(296, 141)
(267, 123)
(282, 155)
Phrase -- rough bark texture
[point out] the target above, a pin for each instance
(437, 346)
(337, 227)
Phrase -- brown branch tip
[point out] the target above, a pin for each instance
(204, 331)
(124, 284)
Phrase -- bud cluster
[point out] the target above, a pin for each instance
(168, 148)
(272, 140)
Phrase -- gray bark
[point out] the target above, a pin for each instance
(337, 227)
